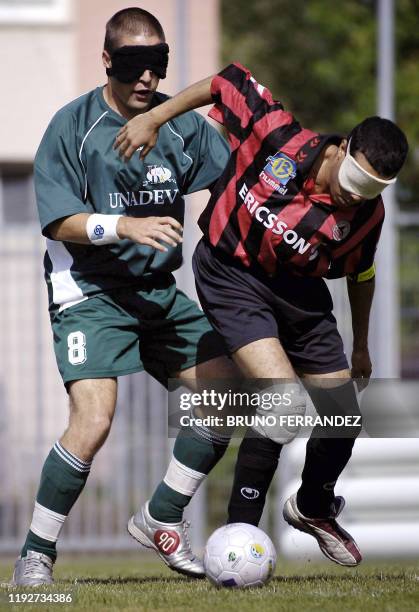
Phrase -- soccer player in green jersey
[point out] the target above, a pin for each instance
(114, 233)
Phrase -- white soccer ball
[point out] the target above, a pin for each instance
(239, 555)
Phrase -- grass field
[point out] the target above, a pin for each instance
(140, 583)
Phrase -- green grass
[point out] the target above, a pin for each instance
(130, 582)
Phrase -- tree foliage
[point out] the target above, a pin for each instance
(319, 57)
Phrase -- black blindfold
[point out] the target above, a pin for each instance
(130, 62)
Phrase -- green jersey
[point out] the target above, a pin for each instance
(77, 170)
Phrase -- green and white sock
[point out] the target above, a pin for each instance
(62, 480)
(197, 450)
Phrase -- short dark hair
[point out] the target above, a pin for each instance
(131, 21)
(382, 142)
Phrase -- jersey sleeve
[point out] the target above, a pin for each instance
(58, 173)
(241, 102)
(358, 265)
(208, 152)
(365, 269)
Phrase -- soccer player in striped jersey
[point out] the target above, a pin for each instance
(291, 208)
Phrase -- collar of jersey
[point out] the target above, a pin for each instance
(322, 199)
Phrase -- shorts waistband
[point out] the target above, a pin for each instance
(254, 268)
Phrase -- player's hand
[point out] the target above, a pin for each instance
(140, 133)
(151, 231)
(361, 367)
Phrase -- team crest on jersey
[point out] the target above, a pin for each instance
(281, 168)
(341, 230)
(158, 174)
(278, 171)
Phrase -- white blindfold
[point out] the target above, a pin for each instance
(355, 179)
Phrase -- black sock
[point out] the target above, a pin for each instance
(256, 463)
(328, 450)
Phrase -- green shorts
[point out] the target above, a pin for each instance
(156, 328)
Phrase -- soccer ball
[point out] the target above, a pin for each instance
(239, 555)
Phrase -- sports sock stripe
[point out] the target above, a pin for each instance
(73, 457)
(75, 462)
(69, 462)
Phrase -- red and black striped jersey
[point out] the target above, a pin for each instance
(263, 209)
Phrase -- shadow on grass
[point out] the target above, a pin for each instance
(130, 580)
(333, 578)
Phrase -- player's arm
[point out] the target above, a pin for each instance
(237, 97)
(361, 285)
(142, 131)
(99, 229)
(361, 292)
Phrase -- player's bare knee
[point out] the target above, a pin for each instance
(93, 423)
(280, 412)
(92, 406)
(86, 433)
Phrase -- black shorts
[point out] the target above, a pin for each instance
(245, 305)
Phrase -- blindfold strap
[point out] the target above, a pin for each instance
(355, 179)
(129, 62)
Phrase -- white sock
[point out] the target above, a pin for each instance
(46, 523)
(182, 478)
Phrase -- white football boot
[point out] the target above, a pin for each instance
(335, 543)
(33, 570)
(169, 540)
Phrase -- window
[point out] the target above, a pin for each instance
(17, 197)
(34, 11)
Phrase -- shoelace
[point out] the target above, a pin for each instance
(33, 564)
(185, 527)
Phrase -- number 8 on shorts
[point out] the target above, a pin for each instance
(77, 353)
